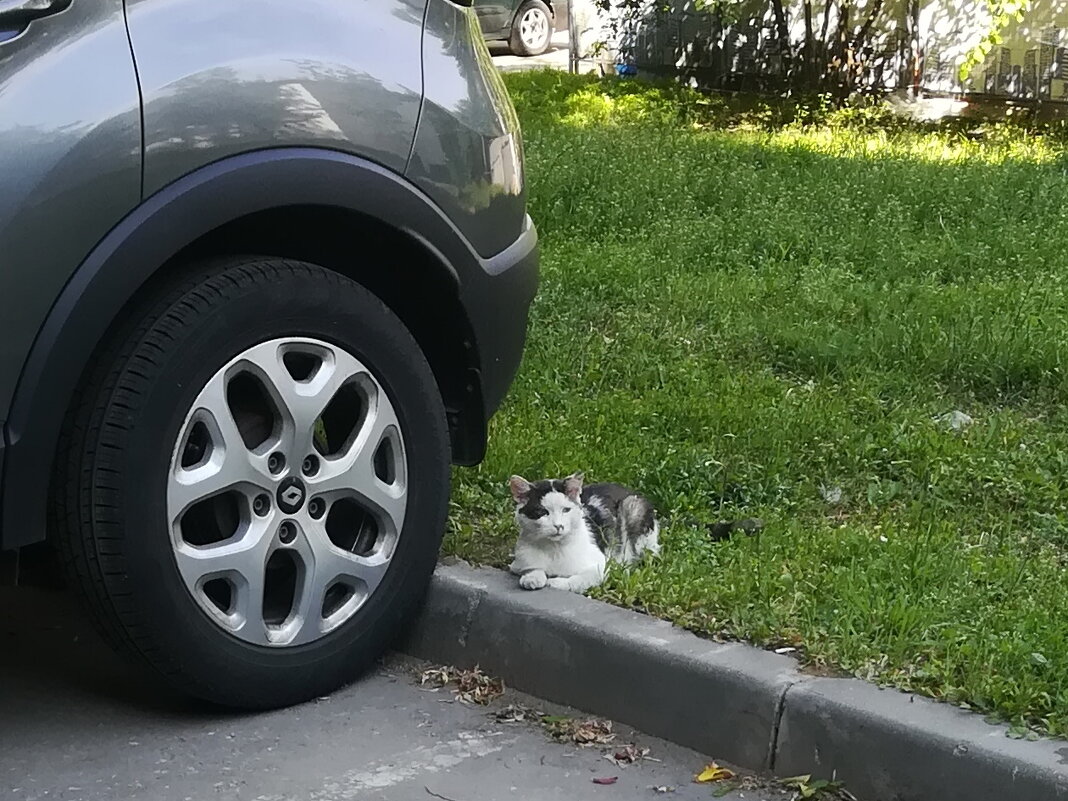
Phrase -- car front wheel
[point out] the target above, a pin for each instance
(252, 487)
(532, 30)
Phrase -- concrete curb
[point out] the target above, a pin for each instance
(733, 701)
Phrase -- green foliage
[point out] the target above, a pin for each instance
(1002, 13)
(759, 312)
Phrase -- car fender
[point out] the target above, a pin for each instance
(144, 241)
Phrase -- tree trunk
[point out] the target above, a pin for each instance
(825, 50)
(917, 60)
(808, 73)
(782, 29)
(842, 55)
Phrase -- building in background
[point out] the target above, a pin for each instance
(1031, 63)
(828, 45)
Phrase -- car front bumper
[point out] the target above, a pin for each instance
(498, 302)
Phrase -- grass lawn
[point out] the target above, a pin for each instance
(744, 318)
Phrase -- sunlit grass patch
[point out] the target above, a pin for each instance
(756, 312)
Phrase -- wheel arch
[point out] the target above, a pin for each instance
(325, 207)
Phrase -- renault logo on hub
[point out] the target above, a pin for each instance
(291, 495)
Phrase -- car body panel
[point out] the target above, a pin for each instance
(260, 74)
(495, 17)
(468, 150)
(70, 157)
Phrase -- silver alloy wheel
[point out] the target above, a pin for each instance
(287, 491)
(534, 29)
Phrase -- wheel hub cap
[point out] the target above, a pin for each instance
(287, 491)
(534, 28)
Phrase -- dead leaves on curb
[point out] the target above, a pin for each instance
(475, 687)
(580, 732)
(723, 780)
(517, 713)
(577, 731)
(584, 733)
(469, 686)
(805, 788)
(628, 755)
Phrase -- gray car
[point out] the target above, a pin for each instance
(264, 275)
(526, 25)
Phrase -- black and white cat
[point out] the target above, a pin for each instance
(567, 532)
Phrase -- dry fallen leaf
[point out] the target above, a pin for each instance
(438, 677)
(580, 732)
(516, 713)
(476, 687)
(627, 755)
(606, 780)
(471, 686)
(713, 773)
(593, 732)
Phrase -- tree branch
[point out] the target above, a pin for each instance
(865, 29)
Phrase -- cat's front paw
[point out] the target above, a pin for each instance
(560, 583)
(533, 580)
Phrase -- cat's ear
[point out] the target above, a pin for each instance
(520, 489)
(573, 486)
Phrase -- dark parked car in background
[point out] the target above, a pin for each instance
(264, 276)
(526, 25)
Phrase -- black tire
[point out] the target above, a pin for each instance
(516, 43)
(111, 470)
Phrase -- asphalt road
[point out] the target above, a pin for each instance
(76, 724)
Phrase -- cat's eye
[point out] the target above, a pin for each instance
(566, 509)
(539, 512)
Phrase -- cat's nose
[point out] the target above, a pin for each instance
(559, 528)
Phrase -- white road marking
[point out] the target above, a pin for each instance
(409, 765)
